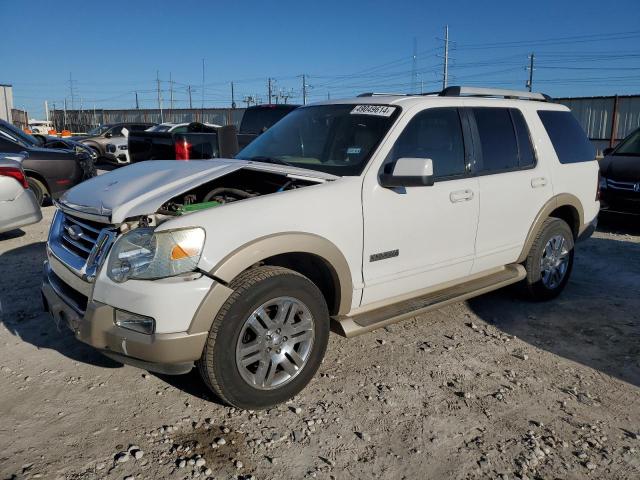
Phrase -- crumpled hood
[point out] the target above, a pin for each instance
(141, 188)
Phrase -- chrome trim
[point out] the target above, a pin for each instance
(88, 213)
(88, 268)
(627, 186)
(68, 277)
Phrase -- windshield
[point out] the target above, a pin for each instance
(336, 139)
(98, 130)
(160, 128)
(630, 146)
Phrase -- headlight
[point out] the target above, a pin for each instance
(143, 254)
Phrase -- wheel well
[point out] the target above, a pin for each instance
(37, 176)
(570, 215)
(316, 269)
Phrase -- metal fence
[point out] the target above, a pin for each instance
(607, 120)
(84, 120)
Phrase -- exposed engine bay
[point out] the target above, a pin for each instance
(239, 185)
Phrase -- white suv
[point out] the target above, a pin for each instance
(356, 212)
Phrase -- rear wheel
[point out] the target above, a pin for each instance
(268, 339)
(39, 189)
(550, 260)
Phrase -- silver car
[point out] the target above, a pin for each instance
(18, 204)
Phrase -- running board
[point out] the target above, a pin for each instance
(350, 326)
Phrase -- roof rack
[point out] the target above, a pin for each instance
(493, 92)
(382, 94)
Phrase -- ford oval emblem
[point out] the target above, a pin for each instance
(74, 232)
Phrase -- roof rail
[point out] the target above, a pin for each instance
(378, 94)
(493, 92)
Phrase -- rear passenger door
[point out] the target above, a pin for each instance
(513, 185)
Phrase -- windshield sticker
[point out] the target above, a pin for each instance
(353, 150)
(376, 110)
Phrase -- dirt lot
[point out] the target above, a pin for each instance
(493, 388)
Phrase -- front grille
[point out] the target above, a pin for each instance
(79, 235)
(77, 300)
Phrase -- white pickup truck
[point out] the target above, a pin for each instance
(349, 214)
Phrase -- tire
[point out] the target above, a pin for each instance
(249, 321)
(38, 188)
(545, 281)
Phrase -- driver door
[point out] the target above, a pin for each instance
(418, 237)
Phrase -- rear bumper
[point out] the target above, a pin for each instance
(22, 210)
(168, 353)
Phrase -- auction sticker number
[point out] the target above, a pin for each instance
(376, 110)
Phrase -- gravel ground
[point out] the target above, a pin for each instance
(492, 388)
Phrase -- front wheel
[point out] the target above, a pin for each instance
(268, 339)
(550, 260)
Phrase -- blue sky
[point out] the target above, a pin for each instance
(113, 49)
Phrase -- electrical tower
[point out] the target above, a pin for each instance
(445, 73)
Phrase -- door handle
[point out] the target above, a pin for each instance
(538, 182)
(461, 196)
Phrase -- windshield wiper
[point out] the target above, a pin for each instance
(265, 159)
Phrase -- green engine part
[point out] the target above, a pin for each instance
(195, 207)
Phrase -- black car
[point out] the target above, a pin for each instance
(620, 176)
(98, 138)
(50, 170)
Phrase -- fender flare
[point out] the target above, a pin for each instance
(262, 248)
(555, 202)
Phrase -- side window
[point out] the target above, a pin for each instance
(116, 131)
(435, 133)
(526, 155)
(181, 129)
(567, 136)
(497, 139)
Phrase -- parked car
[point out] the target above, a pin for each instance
(196, 141)
(99, 137)
(50, 171)
(362, 212)
(620, 176)
(18, 205)
(118, 148)
(41, 127)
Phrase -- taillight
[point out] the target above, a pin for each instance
(16, 173)
(183, 149)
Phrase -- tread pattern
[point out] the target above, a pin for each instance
(243, 282)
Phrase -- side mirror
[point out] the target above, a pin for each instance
(108, 135)
(409, 172)
(607, 151)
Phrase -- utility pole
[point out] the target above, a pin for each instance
(137, 103)
(269, 89)
(170, 92)
(71, 90)
(46, 110)
(445, 77)
(189, 90)
(233, 97)
(414, 67)
(304, 89)
(530, 68)
(64, 125)
(159, 96)
(202, 105)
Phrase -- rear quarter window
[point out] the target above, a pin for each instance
(567, 136)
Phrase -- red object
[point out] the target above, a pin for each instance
(183, 150)
(65, 181)
(16, 173)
